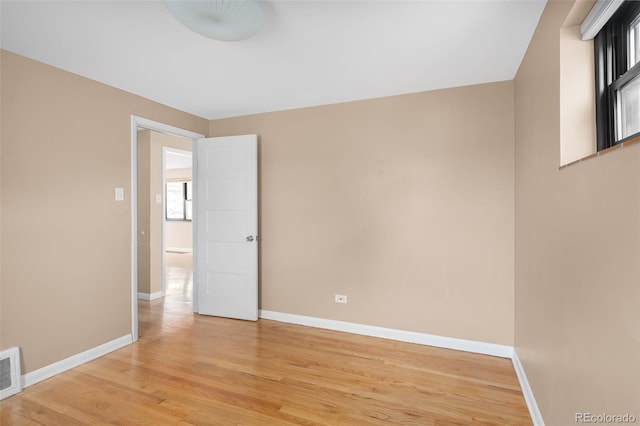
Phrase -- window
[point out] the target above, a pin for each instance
(617, 59)
(179, 201)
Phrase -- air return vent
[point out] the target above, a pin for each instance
(10, 372)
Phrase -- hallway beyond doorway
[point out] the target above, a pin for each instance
(156, 315)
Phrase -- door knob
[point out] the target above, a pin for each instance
(250, 238)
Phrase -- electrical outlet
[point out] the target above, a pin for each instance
(341, 298)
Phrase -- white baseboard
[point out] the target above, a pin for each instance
(152, 296)
(179, 249)
(493, 349)
(75, 360)
(534, 411)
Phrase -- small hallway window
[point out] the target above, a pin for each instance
(179, 200)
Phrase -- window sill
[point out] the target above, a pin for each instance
(632, 141)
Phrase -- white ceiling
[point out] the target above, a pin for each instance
(309, 53)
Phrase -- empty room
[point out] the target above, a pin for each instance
(350, 212)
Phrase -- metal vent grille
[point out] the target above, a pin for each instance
(5, 373)
(10, 380)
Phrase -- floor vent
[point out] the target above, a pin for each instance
(10, 380)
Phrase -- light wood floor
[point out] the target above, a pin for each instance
(196, 370)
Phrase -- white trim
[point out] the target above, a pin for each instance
(144, 123)
(527, 392)
(179, 249)
(194, 224)
(16, 381)
(598, 17)
(152, 296)
(163, 194)
(493, 349)
(74, 361)
(134, 227)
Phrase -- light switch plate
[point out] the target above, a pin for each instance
(158, 198)
(119, 194)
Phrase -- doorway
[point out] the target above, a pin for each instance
(177, 260)
(155, 200)
(177, 183)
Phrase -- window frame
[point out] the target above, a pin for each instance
(187, 194)
(611, 49)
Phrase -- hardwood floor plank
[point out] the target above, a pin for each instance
(196, 370)
(37, 411)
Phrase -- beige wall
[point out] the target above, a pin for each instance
(577, 239)
(179, 234)
(179, 174)
(577, 96)
(66, 267)
(404, 204)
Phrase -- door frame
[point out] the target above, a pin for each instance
(146, 124)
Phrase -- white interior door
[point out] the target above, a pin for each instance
(226, 258)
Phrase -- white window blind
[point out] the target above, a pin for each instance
(599, 15)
